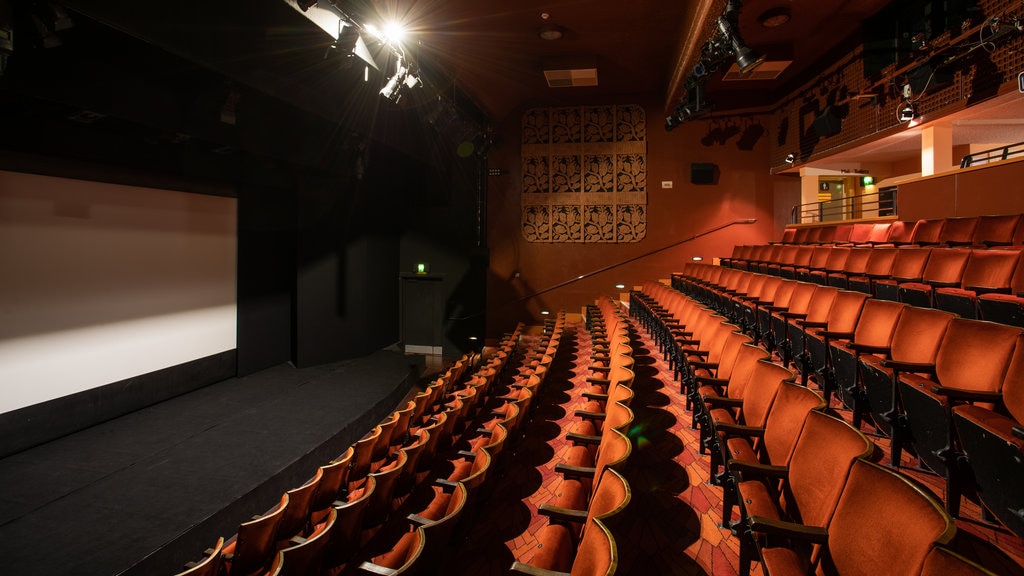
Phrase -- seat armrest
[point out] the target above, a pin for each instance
(831, 335)
(968, 395)
(578, 438)
(371, 568)
(942, 284)
(589, 415)
(750, 469)
(740, 430)
(979, 290)
(562, 514)
(813, 534)
(705, 365)
(722, 401)
(917, 367)
(868, 349)
(574, 471)
(798, 315)
(1018, 432)
(808, 324)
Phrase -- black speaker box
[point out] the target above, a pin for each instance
(702, 173)
(828, 123)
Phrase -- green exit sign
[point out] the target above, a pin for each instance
(422, 268)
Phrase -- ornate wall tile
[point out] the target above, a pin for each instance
(536, 223)
(631, 222)
(599, 224)
(599, 173)
(536, 175)
(584, 174)
(566, 174)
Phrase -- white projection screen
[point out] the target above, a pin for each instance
(102, 282)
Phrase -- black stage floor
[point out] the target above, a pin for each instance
(143, 494)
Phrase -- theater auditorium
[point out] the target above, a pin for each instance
(467, 287)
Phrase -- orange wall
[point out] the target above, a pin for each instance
(994, 189)
(745, 190)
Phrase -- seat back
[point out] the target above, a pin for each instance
(880, 233)
(945, 266)
(300, 501)
(363, 454)
(900, 232)
(857, 261)
(975, 355)
(996, 230)
(308, 557)
(380, 505)
(349, 523)
(743, 369)
(927, 232)
(819, 257)
(837, 257)
(860, 233)
(880, 262)
(1013, 384)
(919, 334)
(990, 270)
(820, 305)
(253, 547)
(959, 231)
(613, 452)
(883, 524)
(400, 435)
(909, 263)
(877, 322)
(786, 419)
(437, 533)
(761, 391)
(597, 554)
(819, 465)
(846, 311)
(333, 477)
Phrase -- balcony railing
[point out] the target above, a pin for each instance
(993, 155)
(875, 205)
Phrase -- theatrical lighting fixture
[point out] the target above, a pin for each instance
(728, 25)
(790, 158)
(350, 43)
(908, 112)
(393, 89)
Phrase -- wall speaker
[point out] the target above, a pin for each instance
(702, 173)
(828, 123)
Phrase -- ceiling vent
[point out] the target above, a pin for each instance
(565, 73)
(767, 70)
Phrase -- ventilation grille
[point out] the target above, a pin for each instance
(571, 77)
(766, 71)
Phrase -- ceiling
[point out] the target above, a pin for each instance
(488, 51)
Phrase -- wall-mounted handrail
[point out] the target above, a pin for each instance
(635, 258)
(608, 267)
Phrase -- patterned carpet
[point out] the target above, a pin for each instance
(672, 523)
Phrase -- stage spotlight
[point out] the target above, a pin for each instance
(349, 43)
(908, 112)
(393, 89)
(790, 158)
(728, 25)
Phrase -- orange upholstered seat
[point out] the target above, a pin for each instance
(252, 550)
(806, 490)
(883, 524)
(973, 357)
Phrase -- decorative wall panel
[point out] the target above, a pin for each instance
(584, 171)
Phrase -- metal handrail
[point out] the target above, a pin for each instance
(615, 265)
(881, 203)
(986, 156)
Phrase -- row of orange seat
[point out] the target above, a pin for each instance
(921, 375)
(981, 231)
(973, 283)
(372, 509)
(592, 490)
(810, 500)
